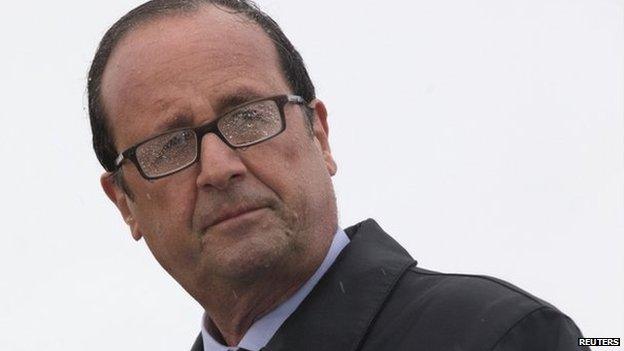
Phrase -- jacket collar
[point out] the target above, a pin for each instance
(340, 309)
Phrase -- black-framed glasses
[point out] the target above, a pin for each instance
(248, 124)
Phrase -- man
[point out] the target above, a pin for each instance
(217, 154)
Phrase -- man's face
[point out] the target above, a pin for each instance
(186, 70)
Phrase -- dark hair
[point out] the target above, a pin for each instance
(291, 62)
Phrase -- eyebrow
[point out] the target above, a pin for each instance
(228, 102)
(179, 120)
(223, 105)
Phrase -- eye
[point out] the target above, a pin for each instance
(170, 146)
(176, 140)
(251, 124)
(167, 153)
(248, 115)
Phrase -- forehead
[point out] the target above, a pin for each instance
(185, 65)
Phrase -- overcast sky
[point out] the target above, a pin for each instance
(486, 136)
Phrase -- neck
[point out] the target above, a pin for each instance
(240, 308)
(234, 307)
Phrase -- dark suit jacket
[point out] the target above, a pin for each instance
(374, 298)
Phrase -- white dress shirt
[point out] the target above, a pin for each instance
(262, 330)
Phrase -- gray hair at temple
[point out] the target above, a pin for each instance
(291, 62)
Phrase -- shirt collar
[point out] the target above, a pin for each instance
(262, 330)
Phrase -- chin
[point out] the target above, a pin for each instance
(257, 256)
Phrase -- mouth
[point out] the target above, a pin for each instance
(232, 215)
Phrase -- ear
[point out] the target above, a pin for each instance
(321, 133)
(118, 196)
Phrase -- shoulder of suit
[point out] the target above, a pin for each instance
(473, 289)
(467, 301)
(461, 312)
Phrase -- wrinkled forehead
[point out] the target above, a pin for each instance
(183, 61)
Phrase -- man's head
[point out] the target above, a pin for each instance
(183, 66)
(290, 60)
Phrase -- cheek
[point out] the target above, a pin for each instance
(179, 197)
(165, 209)
(292, 154)
(291, 167)
(165, 205)
(276, 163)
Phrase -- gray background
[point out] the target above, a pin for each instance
(486, 136)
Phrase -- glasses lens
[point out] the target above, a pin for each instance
(167, 153)
(252, 123)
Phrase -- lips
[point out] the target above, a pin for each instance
(228, 213)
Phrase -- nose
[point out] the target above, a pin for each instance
(219, 164)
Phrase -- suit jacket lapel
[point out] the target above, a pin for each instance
(341, 307)
(198, 345)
